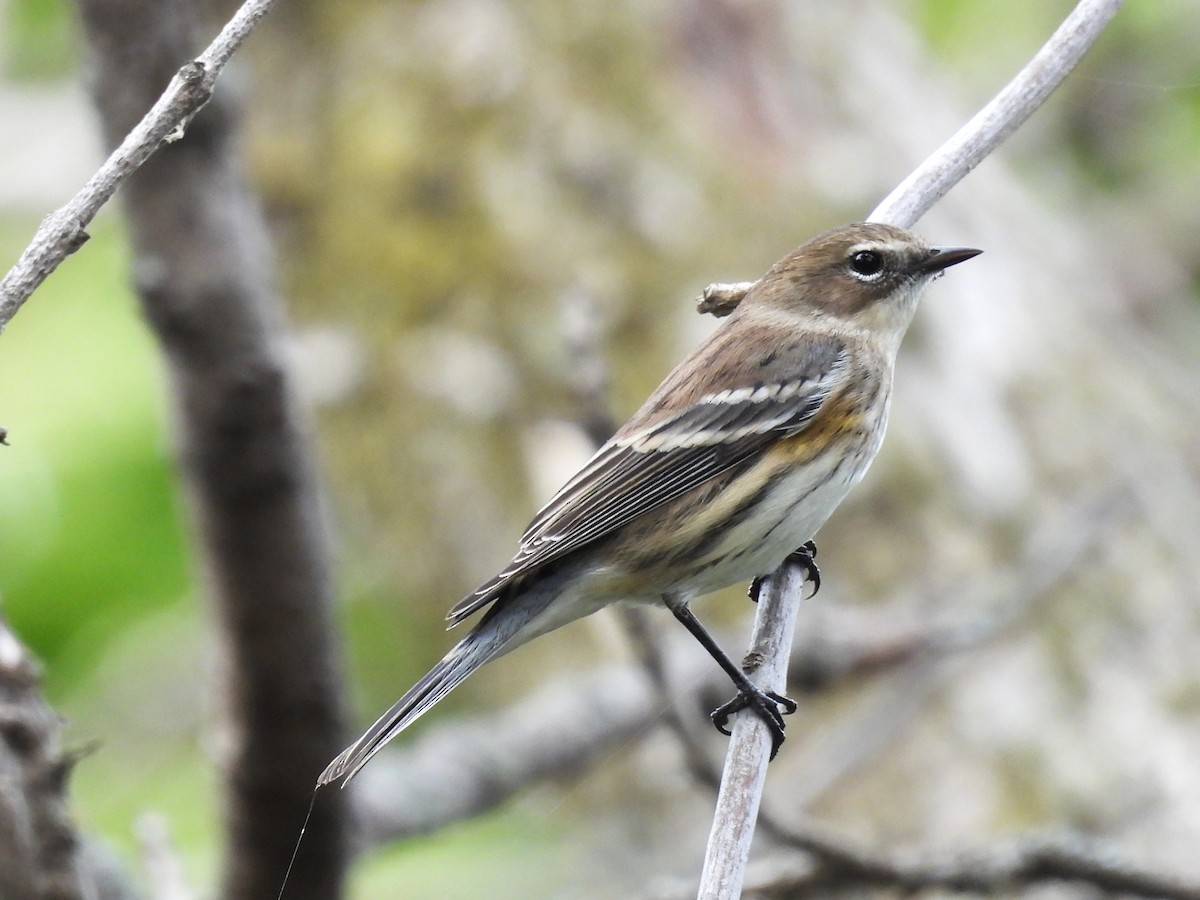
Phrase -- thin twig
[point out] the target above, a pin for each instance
(1053, 553)
(996, 870)
(745, 773)
(653, 656)
(958, 156)
(750, 745)
(1006, 112)
(64, 230)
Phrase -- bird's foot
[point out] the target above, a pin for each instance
(767, 705)
(806, 558)
(756, 587)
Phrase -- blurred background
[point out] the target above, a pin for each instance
(491, 219)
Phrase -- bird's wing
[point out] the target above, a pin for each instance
(648, 464)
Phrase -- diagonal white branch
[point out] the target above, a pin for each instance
(64, 230)
(1006, 112)
(955, 159)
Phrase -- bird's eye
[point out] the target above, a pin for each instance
(866, 263)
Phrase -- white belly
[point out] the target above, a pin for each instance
(792, 515)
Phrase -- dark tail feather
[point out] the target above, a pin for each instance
(467, 656)
(510, 622)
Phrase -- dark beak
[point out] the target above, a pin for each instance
(941, 258)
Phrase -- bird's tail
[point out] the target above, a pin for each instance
(465, 658)
(509, 623)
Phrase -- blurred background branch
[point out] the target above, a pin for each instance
(1008, 867)
(42, 853)
(203, 268)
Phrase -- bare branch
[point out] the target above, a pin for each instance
(1052, 553)
(745, 772)
(998, 870)
(721, 299)
(63, 231)
(204, 273)
(41, 852)
(465, 768)
(955, 159)
(750, 745)
(913, 197)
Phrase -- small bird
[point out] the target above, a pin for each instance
(734, 462)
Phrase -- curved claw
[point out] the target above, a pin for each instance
(789, 705)
(805, 556)
(766, 705)
(755, 588)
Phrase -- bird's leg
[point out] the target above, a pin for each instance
(766, 704)
(805, 557)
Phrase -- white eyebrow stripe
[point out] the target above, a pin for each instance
(896, 247)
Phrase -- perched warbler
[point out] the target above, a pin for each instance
(733, 463)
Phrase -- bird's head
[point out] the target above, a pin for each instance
(862, 277)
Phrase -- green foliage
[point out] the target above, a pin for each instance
(37, 39)
(513, 854)
(93, 566)
(979, 38)
(1132, 106)
(89, 527)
